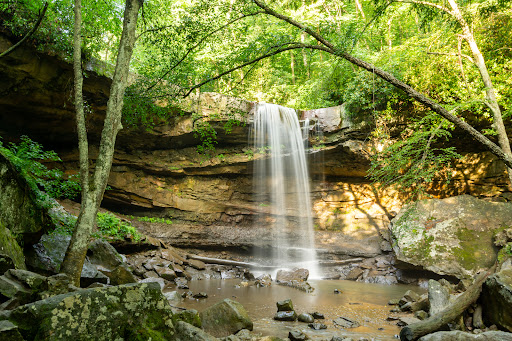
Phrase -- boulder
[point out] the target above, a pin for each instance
(11, 255)
(284, 305)
(190, 316)
(101, 253)
(20, 211)
(317, 326)
(294, 275)
(225, 318)
(188, 332)
(9, 331)
(47, 255)
(305, 317)
(285, 316)
(196, 264)
(496, 299)
(120, 275)
(438, 296)
(452, 236)
(140, 311)
(297, 335)
(458, 335)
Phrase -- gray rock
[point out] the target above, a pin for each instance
(294, 275)
(121, 275)
(443, 235)
(160, 281)
(345, 322)
(190, 316)
(188, 332)
(9, 331)
(103, 254)
(285, 305)
(139, 309)
(438, 296)
(285, 316)
(173, 296)
(462, 336)
(225, 318)
(297, 335)
(496, 299)
(318, 315)
(196, 264)
(317, 326)
(305, 317)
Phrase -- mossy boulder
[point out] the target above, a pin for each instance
(126, 312)
(20, 211)
(11, 255)
(452, 236)
(225, 318)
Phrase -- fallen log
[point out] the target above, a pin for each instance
(220, 261)
(416, 330)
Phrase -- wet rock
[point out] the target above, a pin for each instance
(336, 291)
(284, 305)
(150, 274)
(225, 318)
(264, 280)
(140, 310)
(462, 336)
(172, 255)
(200, 295)
(393, 301)
(297, 335)
(478, 322)
(188, 332)
(318, 315)
(496, 299)
(285, 316)
(305, 317)
(190, 316)
(294, 275)
(317, 326)
(438, 296)
(345, 322)
(181, 283)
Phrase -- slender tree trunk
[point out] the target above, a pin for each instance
(360, 8)
(292, 66)
(94, 185)
(304, 56)
(490, 94)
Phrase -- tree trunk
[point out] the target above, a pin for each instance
(93, 186)
(292, 66)
(490, 94)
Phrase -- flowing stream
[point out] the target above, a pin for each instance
(281, 187)
(365, 303)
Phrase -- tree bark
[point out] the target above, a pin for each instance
(94, 185)
(416, 330)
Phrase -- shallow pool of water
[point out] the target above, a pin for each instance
(366, 303)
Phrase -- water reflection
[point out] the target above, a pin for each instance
(364, 302)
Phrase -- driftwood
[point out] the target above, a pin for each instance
(219, 261)
(416, 330)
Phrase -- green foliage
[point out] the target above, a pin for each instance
(416, 160)
(110, 225)
(27, 157)
(154, 220)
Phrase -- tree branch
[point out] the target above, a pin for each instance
(452, 54)
(15, 46)
(291, 46)
(426, 3)
(198, 44)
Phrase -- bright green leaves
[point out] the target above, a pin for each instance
(111, 226)
(28, 156)
(416, 160)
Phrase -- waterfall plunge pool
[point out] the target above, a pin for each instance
(365, 303)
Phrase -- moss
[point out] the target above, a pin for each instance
(10, 248)
(472, 253)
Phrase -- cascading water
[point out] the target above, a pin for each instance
(282, 186)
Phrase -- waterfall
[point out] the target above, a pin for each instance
(282, 188)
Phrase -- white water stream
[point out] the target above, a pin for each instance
(281, 186)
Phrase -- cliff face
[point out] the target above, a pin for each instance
(158, 172)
